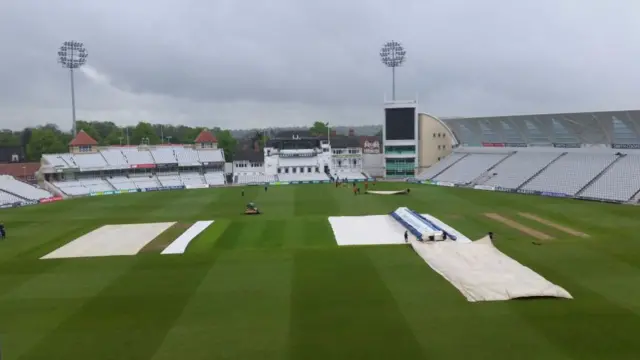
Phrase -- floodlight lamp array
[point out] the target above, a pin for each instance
(72, 54)
(393, 54)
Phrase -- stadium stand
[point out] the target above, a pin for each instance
(570, 173)
(121, 183)
(13, 191)
(114, 158)
(469, 168)
(520, 167)
(619, 183)
(215, 178)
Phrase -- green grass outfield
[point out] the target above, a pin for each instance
(277, 286)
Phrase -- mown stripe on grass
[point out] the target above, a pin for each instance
(342, 309)
(166, 237)
(130, 318)
(273, 234)
(227, 240)
(577, 327)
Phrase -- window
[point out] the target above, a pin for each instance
(309, 170)
(438, 147)
(279, 170)
(438, 158)
(317, 169)
(434, 135)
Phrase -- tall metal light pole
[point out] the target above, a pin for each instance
(72, 55)
(393, 55)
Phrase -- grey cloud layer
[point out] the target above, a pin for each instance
(283, 62)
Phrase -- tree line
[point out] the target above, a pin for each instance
(48, 139)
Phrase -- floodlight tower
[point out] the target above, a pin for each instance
(72, 55)
(393, 55)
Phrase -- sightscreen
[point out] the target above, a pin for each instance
(400, 123)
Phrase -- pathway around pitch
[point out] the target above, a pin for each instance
(520, 227)
(553, 225)
(179, 245)
(111, 240)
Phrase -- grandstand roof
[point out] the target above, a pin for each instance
(613, 128)
(83, 139)
(206, 136)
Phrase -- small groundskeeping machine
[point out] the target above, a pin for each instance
(252, 209)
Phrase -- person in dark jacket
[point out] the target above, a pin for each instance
(3, 233)
(406, 236)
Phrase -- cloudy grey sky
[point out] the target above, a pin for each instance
(253, 63)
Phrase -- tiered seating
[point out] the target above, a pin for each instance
(96, 185)
(468, 169)
(570, 173)
(186, 156)
(252, 178)
(440, 165)
(114, 158)
(26, 191)
(210, 156)
(68, 158)
(122, 183)
(192, 178)
(137, 157)
(518, 168)
(164, 155)
(145, 182)
(620, 182)
(55, 160)
(72, 187)
(214, 178)
(170, 180)
(94, 160)
(6, 198)
(303, 177)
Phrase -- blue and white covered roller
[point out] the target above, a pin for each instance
(420, 226)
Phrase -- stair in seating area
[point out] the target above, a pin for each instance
(541, 170)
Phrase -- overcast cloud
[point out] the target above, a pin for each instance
(242, 64)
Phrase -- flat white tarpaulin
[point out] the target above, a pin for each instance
(481, 272)
(387, 192)
(179, 245)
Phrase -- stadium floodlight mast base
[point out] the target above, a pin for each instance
(393, 55)
(72, 55)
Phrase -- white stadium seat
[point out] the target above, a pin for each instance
(122, 183)
(21, 189)
(620, 182)
(469, 168)
(518, 168)
(114, 157)
(136, 156)
(570, 173)
(164, 155)
(90, 161)
(215, 178)
(436, 168)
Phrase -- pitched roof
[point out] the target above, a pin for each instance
(83, 139)
(19, 169)
(206, 136)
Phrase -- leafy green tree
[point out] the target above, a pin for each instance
(227, 143)
(319, 128)
(143, 132)
(45, 140)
